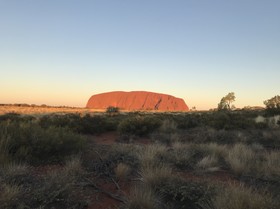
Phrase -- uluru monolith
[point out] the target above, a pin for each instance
(137, 100)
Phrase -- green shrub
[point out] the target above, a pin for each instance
(154, 175)
(229, 120)
(189, 121)
(9, 116)
(97, 124)
(104, 161)
(15, 117)
(112, 110)
(142, 197)
(139, 126)
(56, 189)
(81, 124)
(183, 156)
(71, 121)
(240, 197)
(29, 142)
(179, 194)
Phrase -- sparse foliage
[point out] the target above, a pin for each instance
(273, 105)
(226, 102)
(112, 110)
(274, 102)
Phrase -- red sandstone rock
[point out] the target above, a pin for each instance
(137, 100)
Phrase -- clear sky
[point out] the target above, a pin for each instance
(60, 52)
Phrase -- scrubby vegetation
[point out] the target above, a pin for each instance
(199, 160)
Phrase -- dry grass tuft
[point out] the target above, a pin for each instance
(122, 171)
(154, 175)
(142, 197)
(168, 126)
(208, 163)
(73, 166)
(241, 158)
(240, 197)
(13, 169)
(272, 164)
(215, 149)
(149, 153)
(9, 194)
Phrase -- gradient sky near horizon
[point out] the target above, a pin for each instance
(60, 52)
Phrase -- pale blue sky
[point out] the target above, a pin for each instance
(60, 52)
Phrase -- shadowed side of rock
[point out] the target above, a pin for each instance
(137, 100)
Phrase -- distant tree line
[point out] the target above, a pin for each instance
(34, 105)
(272, 104)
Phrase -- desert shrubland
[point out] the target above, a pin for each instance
(210, 160)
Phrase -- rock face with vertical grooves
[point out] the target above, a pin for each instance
(137, 100)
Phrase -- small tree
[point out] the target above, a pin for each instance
(112, 110)
(273, 105)
(226, 102)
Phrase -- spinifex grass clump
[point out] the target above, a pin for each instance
(57, 189)
(180, 194)
(241, 197)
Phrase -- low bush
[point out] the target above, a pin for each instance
(16, 117)
(96, 124)
(29, 142)
(122, 171)
(103, 161)
(112, 110)
(243, 159)
(183, 156)
(139, 125)
(180, 194)
(189, 121)
(155, 174)
(65, 121)
(150, 154)
(81, 124)
(58, 188)
(240, 197)
(230, 120)
(143, 197)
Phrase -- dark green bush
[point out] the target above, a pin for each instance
(139, 125)
(96, 124)
(69, 120)
(15, 117)
(179, 194)
(189, 121)
(81, 124)
(29, 142)
(182, 158)
(272, 111)
(229, 120)
(56, 189)
(112, 110)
